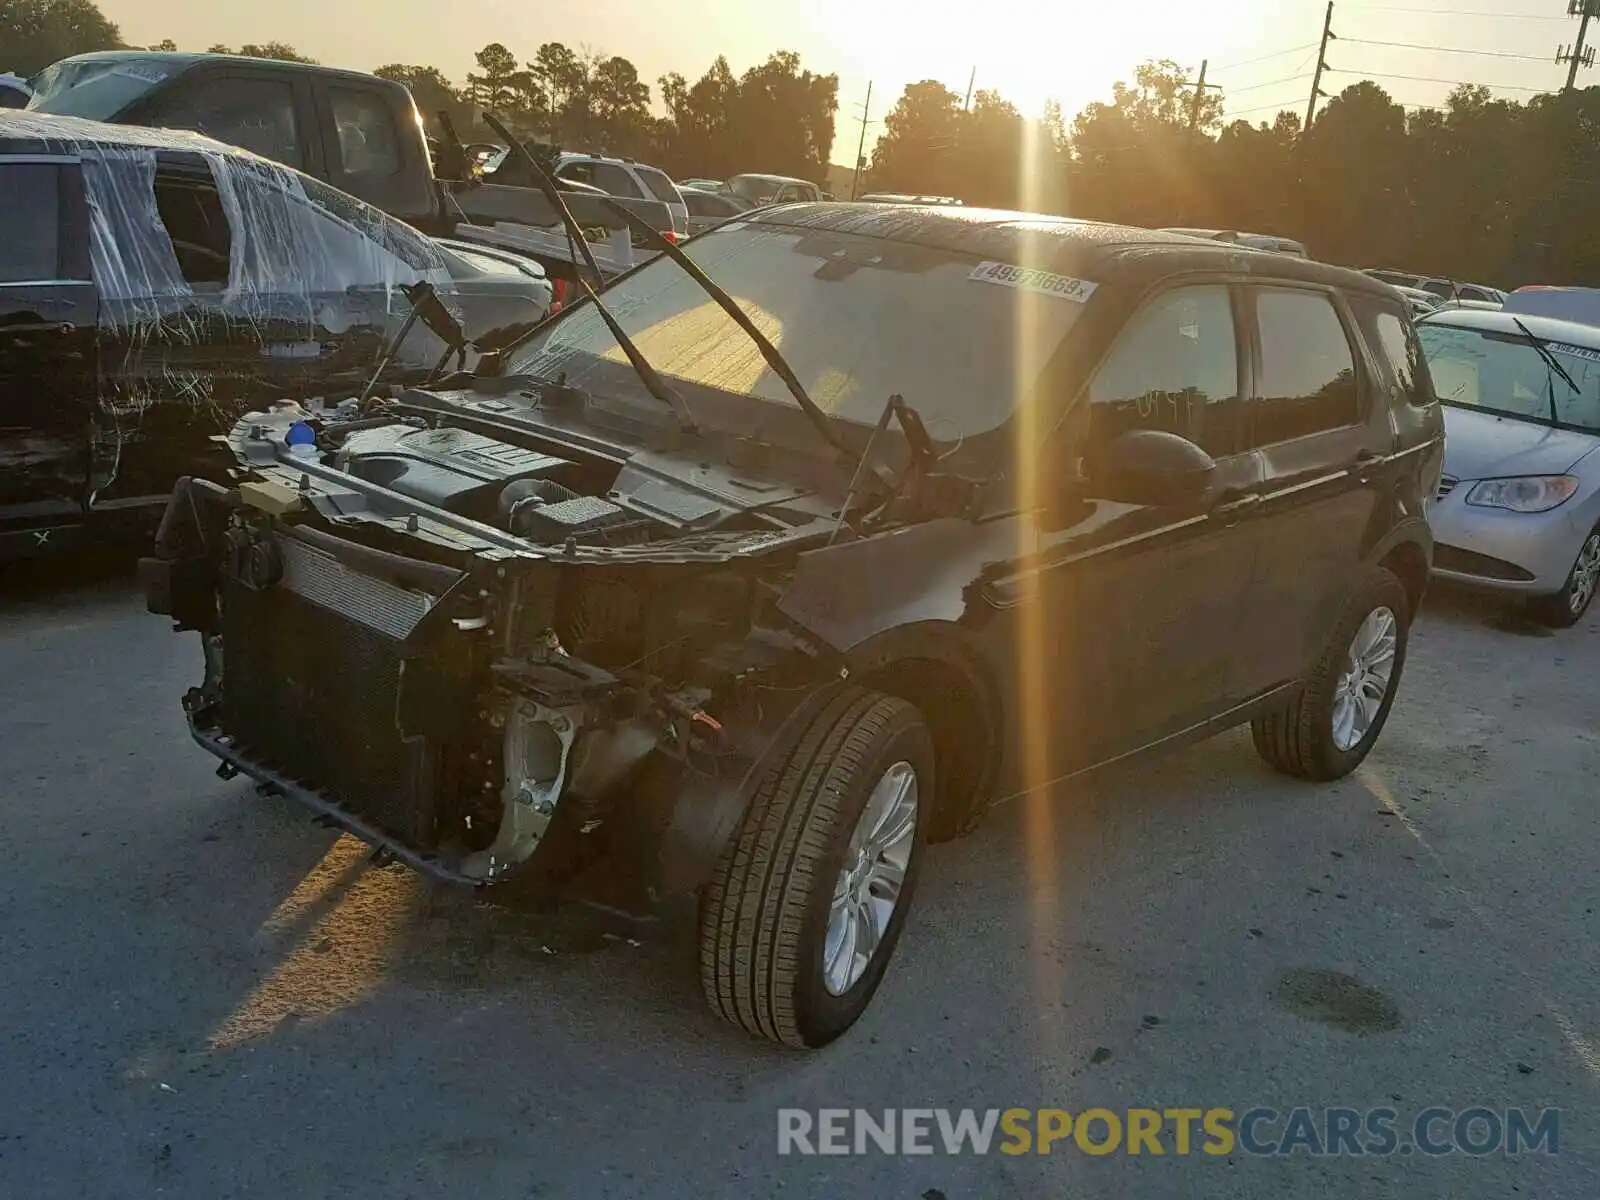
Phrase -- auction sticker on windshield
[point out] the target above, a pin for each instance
(1043, 282)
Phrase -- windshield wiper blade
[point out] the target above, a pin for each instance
(1551, 361)
(823, 423)
(648, 375)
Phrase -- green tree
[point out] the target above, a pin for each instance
(281, 51)
(919, 136)
(564, 78)
(36, 33)
(433, 94)
(491, 86)
(621, 104)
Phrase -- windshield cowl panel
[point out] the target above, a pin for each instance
(858, 319)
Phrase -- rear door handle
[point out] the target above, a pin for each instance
(1361, 470)
(1233, 506)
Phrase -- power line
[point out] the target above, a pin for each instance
(1265, 57)
(1454, 12)
(1444, 49)
(1504, 87)
(1272, 83)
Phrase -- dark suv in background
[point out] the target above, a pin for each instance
(1017, 496)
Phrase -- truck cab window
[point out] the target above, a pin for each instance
(368, 146)
(255, 114)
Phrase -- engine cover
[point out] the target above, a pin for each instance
(453, 469)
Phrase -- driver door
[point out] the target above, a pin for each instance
(1143, 603)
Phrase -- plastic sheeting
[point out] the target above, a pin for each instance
(298, 251)
(202, 316)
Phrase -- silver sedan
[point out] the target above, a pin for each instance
(1518, 509)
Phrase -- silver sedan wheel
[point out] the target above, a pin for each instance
(1367, 676)
(868, 889)
(1585, 575)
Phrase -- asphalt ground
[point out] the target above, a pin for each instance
(203, 993)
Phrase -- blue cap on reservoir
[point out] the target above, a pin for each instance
(301, 434)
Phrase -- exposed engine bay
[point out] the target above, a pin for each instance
(458, 625)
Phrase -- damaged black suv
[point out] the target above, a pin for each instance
(803, 544)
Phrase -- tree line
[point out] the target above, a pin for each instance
(1479, 189)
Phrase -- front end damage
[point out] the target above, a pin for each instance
(459, 650)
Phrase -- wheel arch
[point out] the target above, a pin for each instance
(932, 666)
(1408, 562)
(1407, 554)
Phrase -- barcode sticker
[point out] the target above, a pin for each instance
(1063, 287)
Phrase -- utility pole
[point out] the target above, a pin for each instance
(1578, 56)
(973, 78)
(1322, 64)
(861, 146)
(1200, 87)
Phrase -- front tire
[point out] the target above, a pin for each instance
(1568, 606)
(805, 908)
(1331, 722)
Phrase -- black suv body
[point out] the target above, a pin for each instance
(959, 504)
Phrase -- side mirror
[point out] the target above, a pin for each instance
(1150, 466)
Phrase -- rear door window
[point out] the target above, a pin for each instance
(1174, 368)
(1307, 383)
(255, 114)
(31, 199)
(368, 145)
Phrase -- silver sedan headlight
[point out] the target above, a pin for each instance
(1524, 494)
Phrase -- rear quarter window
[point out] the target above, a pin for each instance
(1395, 345)
(660, 186)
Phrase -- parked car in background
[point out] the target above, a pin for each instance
(1580, 304)
(14, 91)
(1254, 241)
(704, 185)
(1518, 507)
(907, 198)
(760, 621)
(709, 209)
(155, 285)
(625, 177)
(1441, 288)
(360, 133)
(1422, 303)
(760, 190)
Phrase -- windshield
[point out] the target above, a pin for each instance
(1503, 373)
(97, 89)
(858, 319)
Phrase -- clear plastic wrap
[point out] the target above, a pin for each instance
(297, 249)
(225, 281)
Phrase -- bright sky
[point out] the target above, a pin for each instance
(1030, 50)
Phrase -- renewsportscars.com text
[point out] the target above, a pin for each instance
(1177, 1131)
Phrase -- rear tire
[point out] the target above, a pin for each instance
(1302, 738)
(764, 925)
(1568, 606)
